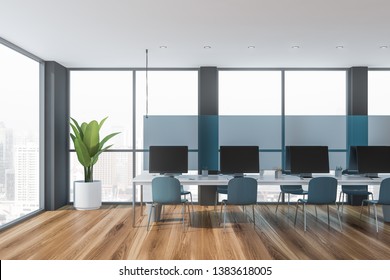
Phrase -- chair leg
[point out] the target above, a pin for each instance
(253, 215)
(361, 209)
(224, 215)
(338, 216)
(304, 216)
(216, 200)
(182, 213)
(220, 214)
(189, 214)
(192, 204)
(288, 204)
(315, 207)
(340, 200)
(327, 206)
(277, 205)
(376, 218)
(296, 212)
(150, 214)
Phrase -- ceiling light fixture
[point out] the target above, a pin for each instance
(163, 47)
(207, 47)
(384, 47)
(339, 47)
(251, 47)
(295, 47)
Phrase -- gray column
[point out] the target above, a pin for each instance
(208, 143)
(56, 136)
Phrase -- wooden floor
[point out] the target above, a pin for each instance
(108, 234)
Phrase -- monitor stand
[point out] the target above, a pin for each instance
(306, 175)
(238, 175)
(170, 174)
(371, 175)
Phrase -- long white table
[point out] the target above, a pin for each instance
(218, 180)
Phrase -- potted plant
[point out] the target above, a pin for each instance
(86, 140)
(278, 172)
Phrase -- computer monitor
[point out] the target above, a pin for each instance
(168, 160)
(352, 163)
(372, 160)
(305, 160)
(238, 160)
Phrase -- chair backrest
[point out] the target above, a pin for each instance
(166, 190)
(242, 191)
(322, 190)
(384, 192)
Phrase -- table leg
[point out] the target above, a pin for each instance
(142, 200)
(134, 186)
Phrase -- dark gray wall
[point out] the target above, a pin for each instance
(357, 91)
(56, 136)
(208, 91)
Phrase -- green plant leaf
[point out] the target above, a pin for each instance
(76, 132)
(102, 122)
(82, 152)
(83, 127)
(105, 139)
(78, 128)
(95, 158)
(91, 138)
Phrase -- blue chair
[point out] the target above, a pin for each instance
(383, 199)
(185, 193)
(166, 191)
(292, 189)
(220, 190)
(321, 191)
(240, 191)
(359, 190)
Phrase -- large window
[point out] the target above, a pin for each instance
(166, 114)
(93, 96)
(19, 135)
(315, 109)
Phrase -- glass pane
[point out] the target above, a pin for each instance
(95, 95)
(315, 93)
(114, 169)
(378, 92)
(170, 93)
(262, 131)
(19, 135)
(250, 93)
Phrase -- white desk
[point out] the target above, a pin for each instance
(215, 180)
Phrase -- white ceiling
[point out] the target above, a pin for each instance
(115, 33)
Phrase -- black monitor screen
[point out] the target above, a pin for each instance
(309, 159)
(352, 163)
(239, 159)
(168, 159)
(373, 159)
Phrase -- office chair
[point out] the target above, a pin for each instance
(240, 191)
(321, 191)
(185, 193)
(292, 189)
(383, 199)
(361, 190)
(166, 191)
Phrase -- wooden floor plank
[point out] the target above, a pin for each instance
(108, 233)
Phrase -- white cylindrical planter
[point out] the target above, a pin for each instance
(87, 195)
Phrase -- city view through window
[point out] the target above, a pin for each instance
(19, 135)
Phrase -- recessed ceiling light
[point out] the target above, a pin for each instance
(251, 47)
(384, 47)
(295, 47)
(339, 47)
(207, 47)
(163, 47)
